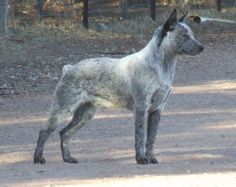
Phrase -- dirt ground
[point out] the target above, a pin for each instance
(196, 142)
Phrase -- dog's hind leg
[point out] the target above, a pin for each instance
(84, 113)
(64, 104)
(57, 116)
(153, 122)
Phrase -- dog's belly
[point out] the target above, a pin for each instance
(114, 100)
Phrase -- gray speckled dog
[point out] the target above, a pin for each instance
(140, 82)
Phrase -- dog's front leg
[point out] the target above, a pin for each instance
(139, 137)
(153, 122)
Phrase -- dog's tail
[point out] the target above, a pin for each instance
(66, 69)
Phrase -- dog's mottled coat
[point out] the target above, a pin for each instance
(140, 82)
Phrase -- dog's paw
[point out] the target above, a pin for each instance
(39, 160)
(153, 160)
(141, 160)
(70, 160)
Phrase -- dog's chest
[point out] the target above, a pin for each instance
(161, 87)
(159, 97)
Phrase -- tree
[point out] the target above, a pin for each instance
(85, 13)
(123, 8)
(219, 4)
(3, 16)
(153, 9)
(39, 8)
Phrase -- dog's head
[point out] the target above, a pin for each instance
(179, 37)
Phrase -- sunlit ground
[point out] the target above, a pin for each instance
(226, 87)
(197, 180)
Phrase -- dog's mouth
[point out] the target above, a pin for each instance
(184, 52)
(192, 52)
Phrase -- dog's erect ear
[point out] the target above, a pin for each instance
(171, 21)
(183, 18)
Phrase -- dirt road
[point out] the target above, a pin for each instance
(196, 143)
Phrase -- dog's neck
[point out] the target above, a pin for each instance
(159, 56)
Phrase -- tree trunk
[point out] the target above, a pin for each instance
(3, 16)
(123, 9)
(39, 8)
(85, 13)
(219, 4)
(153, 9)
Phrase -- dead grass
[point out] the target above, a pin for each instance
(108, 26)
(138, 25)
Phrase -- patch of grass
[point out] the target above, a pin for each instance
(134, 26)
(99, 27)
(103, 27)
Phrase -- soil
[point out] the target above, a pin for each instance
(196, 142)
